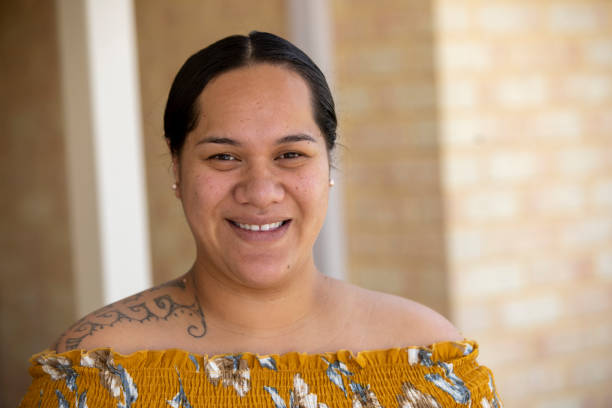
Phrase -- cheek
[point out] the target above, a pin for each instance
(312, 188)
(205, 192)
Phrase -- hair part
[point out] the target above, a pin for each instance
(233, 52)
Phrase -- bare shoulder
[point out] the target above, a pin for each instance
(394, 321)
(130, 324)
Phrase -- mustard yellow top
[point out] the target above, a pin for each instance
(442, 375)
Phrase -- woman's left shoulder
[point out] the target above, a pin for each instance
(403, 320)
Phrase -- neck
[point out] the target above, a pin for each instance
(237, 309)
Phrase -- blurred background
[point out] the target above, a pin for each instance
(475, 174)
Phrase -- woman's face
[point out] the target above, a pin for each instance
(254, 176)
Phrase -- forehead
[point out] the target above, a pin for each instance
(254, 99)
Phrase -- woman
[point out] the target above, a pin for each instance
(250, 123)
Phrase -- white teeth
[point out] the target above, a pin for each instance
(265, 227)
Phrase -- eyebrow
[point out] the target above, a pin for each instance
(299, 137)
(218, 140)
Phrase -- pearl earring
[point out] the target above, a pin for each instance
(331, 182)
(174, 186)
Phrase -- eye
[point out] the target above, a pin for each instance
(290, 155)
(222, 157)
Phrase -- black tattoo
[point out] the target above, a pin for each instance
(194, 330)
(165, 308)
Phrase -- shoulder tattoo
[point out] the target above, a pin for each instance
(163, 307)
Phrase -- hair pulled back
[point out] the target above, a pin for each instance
(181, 114)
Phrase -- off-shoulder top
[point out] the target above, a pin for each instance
(442, 375)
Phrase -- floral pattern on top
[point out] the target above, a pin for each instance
(267, 362)
(61, 400)
(195, 362)
(420, 356)
(453, 385)
(443, 375)
(59, 368)
(493, 402)
(413, 398)
(103, 361)
(449, 382)
(300, 397)
(114, 378)
(180, 400)
(231, 370)
(335, 372)
(363, 397)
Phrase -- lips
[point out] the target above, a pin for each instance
(266, 227)
(267, 231)
(263, 227)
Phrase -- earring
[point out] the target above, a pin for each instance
(174, 186)
(331, 182)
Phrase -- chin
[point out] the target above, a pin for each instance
(263, 275)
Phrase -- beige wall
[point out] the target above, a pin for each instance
(168, 33)
(387, 106)
(36, 299)
(526, 111)
(479, 162)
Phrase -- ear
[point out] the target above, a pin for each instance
(175, 172)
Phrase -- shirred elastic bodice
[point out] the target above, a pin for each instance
(442, 375)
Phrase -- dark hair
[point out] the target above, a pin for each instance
(181, 115)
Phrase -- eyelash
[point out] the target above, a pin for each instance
(293, 155)
(229, 157)
(222, 157)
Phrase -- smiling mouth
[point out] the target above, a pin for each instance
(265, 227)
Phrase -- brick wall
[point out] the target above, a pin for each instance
(478, 161)
(36, 292)
(387, 107)
(526, 114)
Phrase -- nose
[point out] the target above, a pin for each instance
(259, 188)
